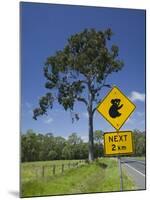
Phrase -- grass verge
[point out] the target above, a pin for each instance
(99, 176)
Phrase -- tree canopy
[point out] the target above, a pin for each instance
(84, 62)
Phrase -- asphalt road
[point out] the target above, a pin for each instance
(136, 169)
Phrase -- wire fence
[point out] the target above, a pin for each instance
(47, 170)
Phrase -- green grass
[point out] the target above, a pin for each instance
(100, 176)
(136, 157)
(33, 170)
(112, 178)
(140, 158)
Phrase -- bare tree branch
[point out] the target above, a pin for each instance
(82, 100)
(93, 111)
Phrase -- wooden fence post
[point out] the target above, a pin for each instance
(62, 168)
(54, 169)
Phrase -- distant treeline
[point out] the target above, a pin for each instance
(139, 142)
(40, 147)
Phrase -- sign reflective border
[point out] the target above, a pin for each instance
(118, 143)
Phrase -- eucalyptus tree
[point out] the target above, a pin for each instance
(78, 72)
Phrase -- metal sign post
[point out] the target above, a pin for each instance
(116, 109)
(120, 172)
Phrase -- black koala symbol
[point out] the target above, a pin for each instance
(113, 111)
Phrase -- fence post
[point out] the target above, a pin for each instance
(54, 169)
(120, 172)
(62, 168)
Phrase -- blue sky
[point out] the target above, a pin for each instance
(45, 29)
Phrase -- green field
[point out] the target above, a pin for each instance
(34, 170)
(99, 176)
(140, 157)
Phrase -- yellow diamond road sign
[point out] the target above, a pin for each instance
(116, 108)
(118, 143)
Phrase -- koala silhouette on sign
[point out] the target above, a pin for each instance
(113, 111)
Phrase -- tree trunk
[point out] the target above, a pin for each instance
(91, 144)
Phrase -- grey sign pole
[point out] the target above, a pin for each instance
(120, 173)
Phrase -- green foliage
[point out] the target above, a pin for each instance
(66, 153)
(98, 150)
(139, 143)
(98, 139)
(82, 65)
(38, 147)
(73, 139)
(41, 147)
(98, 136)
(52, 155)
(29, 147)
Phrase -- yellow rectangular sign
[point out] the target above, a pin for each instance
(118, 143)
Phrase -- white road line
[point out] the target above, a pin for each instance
(134, 169)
